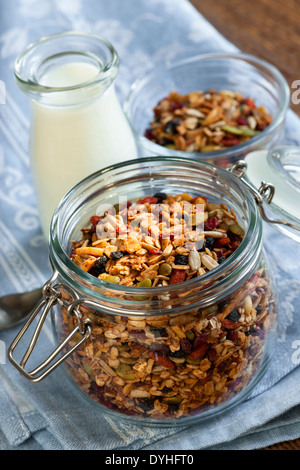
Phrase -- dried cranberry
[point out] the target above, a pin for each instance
(155, 251)
(221, 242)
(199, 351)
(229, 324)
(163, 360)
(211, 223)
(148, 200)
(175, 106)
(230, 142)
(177, 275)
(148, 134)
(233, 336)
(95, 219)
(212, 354)
(242, 121)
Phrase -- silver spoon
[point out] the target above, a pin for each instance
(16, 307)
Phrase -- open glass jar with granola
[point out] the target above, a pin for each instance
(162, 297)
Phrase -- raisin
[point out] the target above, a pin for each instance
(160, 196)
(234, 315)
(182, 260)
(221, 259)
(146, 404)
(99, 266)
(209, 243)
(251, 330)
(185, 345)
(116, 254)
(259, 308)
(158, 332)
(170, 126)
(177, 354)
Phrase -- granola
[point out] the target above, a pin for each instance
(206, 122)
(176, 365)
(158, 240)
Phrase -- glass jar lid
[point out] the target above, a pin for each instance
(274, 176)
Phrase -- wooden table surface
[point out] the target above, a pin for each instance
(269, 29)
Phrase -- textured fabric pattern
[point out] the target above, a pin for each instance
(53, 414)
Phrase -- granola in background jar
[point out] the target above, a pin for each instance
(206, 121)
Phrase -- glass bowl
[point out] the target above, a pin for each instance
(248, 75)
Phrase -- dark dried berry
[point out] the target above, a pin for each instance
(158, 332)
(148, 134)
(99, 266)
(161, 349)
(146, 403)
(221, 259)
(185, 345)
(116, 254)
(234, 315)
(178, 354)
(181, 259)
(170, 126)
(160, 196)
(164, 141)
(251, 330)
(211, 223)
(209, 242)
(259, 308)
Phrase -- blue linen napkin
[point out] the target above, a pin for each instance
(53, 414)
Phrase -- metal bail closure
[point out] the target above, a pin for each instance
(265, 194)
(52, 296)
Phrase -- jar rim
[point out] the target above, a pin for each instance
(29, 83)
(222, 274)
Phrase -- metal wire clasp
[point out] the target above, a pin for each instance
(52, 295)
(265, 193)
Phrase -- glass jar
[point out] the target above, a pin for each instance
(237, 72)
(77, 124)
(128, 349)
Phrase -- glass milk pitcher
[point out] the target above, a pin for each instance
(77, 124)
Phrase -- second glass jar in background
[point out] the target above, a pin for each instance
(237, 72)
